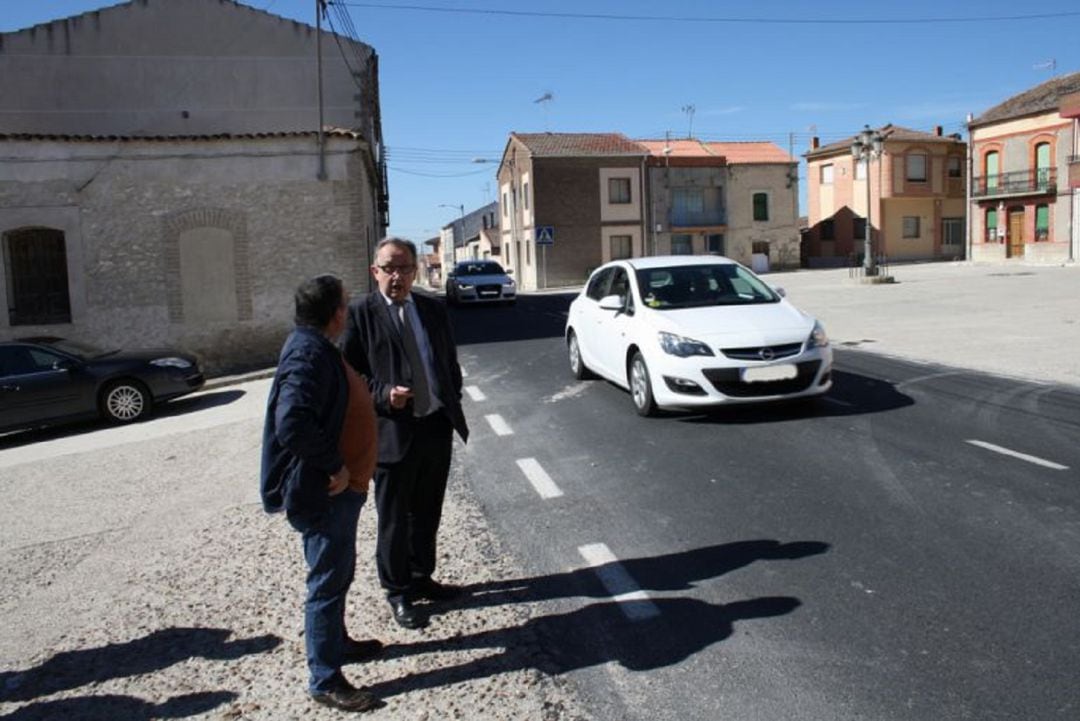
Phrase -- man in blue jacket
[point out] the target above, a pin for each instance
(304, 474)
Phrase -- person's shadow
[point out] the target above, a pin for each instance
(669, 572)
(667, 632)
(593, 635)
(153, 652)
(112, 707)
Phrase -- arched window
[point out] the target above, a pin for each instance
(1042, 165)
(991, 169)
(35, 261)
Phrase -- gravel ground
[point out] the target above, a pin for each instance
(144, 581)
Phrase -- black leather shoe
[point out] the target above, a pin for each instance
(347, 698)
(405, 615)
(430, 590)
(360, 651)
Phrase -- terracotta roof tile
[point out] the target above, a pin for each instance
(744, 153)
(76, 138)
(1039, 99)
(578, 145)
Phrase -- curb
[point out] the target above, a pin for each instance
(232, 380)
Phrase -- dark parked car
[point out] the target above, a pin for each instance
(48, 380)
(480, 281)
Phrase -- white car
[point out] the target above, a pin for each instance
(684, 332)
(480, 281)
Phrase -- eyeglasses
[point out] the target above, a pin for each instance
(399, 269)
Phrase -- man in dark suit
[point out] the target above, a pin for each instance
(402, 343)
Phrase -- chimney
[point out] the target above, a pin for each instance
(937, 130)
(814, 142)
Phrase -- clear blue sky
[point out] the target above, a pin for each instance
(458, 75)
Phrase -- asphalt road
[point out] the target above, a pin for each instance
(908, 550)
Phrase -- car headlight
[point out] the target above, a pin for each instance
(464, 286)
(509, 282)
(818, 338)
(676, 345)
(171, 362)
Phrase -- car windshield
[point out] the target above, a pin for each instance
(479, 268)
(695, 286)
(77, 348)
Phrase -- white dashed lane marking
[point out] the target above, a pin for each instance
(1017, 454)
(501, 427)
(633, 602)
(475, 393)
(539, 478)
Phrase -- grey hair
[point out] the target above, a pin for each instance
(399, 242)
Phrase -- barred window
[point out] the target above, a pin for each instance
(37, 281)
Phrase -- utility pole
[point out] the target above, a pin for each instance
(320, 7)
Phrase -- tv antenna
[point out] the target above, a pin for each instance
(689, 109)
(544, 100)
(1050, 65)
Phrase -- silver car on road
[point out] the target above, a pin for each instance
(480, 281)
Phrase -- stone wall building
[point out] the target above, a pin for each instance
(164, 180)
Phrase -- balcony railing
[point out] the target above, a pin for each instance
(696, 219)
(1022, 182)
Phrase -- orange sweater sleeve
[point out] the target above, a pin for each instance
(359, 443)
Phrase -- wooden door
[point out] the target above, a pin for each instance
(1015, 249)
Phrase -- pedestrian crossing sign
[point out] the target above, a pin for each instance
(545, 235)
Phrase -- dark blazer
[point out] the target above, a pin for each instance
(304, 416)
(372, 345)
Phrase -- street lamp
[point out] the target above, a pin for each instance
(868, 144)
(450, 254)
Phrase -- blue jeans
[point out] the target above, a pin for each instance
(330, 551)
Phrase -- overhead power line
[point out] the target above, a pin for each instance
(715, 19)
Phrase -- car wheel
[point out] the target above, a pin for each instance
(577, 365)
(125, 401)
(641, 387)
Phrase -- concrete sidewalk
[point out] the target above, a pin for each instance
(1014, 320)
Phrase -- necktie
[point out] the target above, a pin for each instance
(421, 389)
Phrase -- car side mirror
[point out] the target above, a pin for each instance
(612, 302)
(64, 364)
(509, 271)
(779, 290)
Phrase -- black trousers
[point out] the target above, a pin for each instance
(409, 498)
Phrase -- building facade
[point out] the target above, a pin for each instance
(583, 192)
(1026, 185)
(914, 193)
(569, 202)
(182, 201)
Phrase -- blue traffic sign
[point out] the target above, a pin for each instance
(545, 235)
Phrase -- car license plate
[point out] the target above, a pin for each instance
(781, 372)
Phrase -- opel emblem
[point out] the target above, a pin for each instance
(766, 354)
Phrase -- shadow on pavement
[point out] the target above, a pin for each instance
(852, 394)
(669, 572)
(179, 406)
(156, 651)
(601, 632)
(112, 707)
(201, 402)
(590, 636)
(532, 316)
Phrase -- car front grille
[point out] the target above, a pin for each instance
(729, 381)
(757, 353)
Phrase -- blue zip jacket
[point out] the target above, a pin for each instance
(304, 416)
